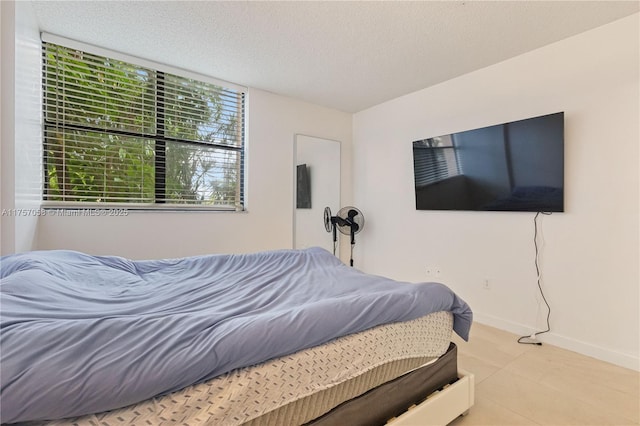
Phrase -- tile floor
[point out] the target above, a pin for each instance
(543, 385)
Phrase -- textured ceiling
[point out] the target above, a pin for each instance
(345, 55)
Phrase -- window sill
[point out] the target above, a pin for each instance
(123, 209)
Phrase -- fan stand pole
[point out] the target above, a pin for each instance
(351, 260)
(353, 243)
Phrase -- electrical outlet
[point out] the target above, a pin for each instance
(485, 284)
(433, 271)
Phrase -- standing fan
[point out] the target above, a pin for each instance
(330, 226)
(348, 221)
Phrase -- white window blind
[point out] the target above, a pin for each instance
(117, 132)
(434, 160)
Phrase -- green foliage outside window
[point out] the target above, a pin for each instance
(117, 132)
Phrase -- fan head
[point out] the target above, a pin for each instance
(327, 219)
(349, 219)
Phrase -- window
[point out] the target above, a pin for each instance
(434, 159)
(117, 132)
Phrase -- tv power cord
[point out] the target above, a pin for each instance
(532, 338)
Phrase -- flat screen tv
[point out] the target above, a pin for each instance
(515, 166)
(303, 187)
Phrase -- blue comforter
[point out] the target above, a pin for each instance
(82, 334)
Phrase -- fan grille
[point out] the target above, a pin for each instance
(350, 216)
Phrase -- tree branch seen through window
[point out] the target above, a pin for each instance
(115, 132)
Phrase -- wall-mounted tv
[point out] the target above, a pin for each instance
(515, 166)
(303, 187)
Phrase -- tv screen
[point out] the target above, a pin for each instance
(303, 187)
(515, 166)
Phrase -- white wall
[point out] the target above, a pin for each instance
(7, 113)
(590, 254)
(273, 122)
(28, 126)
(21, 129)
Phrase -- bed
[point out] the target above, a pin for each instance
(279, 337)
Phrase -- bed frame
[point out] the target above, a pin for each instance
(442, 406)
(434, 394)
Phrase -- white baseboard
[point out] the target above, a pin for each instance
(588, 349)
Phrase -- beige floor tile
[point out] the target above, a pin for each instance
(492, 346)
(487, 413)
(480, 369)
(524, 384)
(606, 386)
(543, 404)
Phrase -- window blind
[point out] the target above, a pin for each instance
(434, 160)
(117, 132)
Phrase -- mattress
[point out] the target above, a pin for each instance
(297, 388)
(397, 397)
